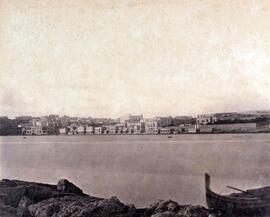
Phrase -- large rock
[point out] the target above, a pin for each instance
(37, 192)
(12, 195)
(171, 208)
(164, 205)
(106, 208)
(194, 211)
(81, 206)
(64, 185)
(61, 206)
(12, 191)
(22, 210)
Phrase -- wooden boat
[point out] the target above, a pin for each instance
(255, 202)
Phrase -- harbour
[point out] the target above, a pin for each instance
(126, 165)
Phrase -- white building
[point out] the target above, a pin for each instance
(98, 130)
(164, 130)
(151, 126)
(112, 129)
(89, 130)
(62, 130)
(206, 119)
(121, 128)
(32, 130)
(80, 129)
(72, 129)
(192, 129)
(137, 128)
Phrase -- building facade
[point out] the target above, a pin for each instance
(98, 130)
(89, 129)
(32, 130)
(151, 126)
(62, 131)
(206, 119)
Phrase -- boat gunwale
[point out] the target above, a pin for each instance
(242, 203)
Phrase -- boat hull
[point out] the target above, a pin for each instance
(233, 206)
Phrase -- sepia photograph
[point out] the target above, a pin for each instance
(134, 108)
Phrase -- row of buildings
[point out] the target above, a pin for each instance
(133, 124)
(137, 124)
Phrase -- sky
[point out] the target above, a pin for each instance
(113, 58)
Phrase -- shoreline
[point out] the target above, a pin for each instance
(179, 134)
(31, 199)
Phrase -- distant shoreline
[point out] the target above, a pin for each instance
(180, 134)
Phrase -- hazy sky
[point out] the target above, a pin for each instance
(112, 58)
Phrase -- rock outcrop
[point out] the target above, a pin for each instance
(29, 199)
(22, 210)
(81, 206)
(171, 208)
(64, 185)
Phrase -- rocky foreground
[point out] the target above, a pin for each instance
(30, 199)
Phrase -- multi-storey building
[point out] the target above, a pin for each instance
(183, 120)
(165, 130)
(136, 127)
(151, 126)
(164, 121)
(35, 122)
(122, 128)
(32, 130)
(135, 118)
(80, 129)
(98, 130)
(206, 119)
(112, 129)
(89, 130)
(72, 129)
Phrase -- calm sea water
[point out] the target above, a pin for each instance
(141, 169)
